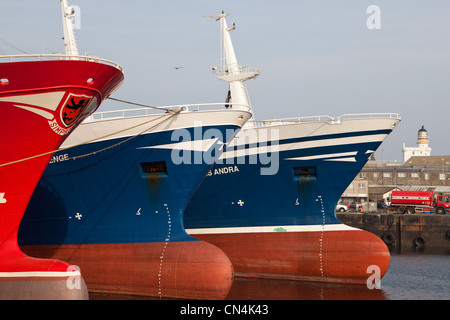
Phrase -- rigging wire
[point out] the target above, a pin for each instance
(9, 44)
(142, 105)
(126, 140)
(168, 116)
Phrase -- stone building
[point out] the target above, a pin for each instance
(357, 191)
(417, 171)
(420, 171)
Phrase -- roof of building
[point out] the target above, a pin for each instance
(378, 193)
(380, 190)
(428, 161)
(436, 189)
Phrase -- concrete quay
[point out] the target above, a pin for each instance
(404, 232)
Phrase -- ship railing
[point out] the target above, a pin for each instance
(323, 118)
(224, 71)
(153, 110)
(57, 56)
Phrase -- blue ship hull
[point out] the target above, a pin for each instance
(115, 209)
(282, 225)
(286, 198)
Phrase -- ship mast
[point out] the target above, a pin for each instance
(68, 14)
(229, 70)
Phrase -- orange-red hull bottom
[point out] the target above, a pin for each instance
(350, 256)
(179, 270)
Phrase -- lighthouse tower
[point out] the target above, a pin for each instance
(422, 148)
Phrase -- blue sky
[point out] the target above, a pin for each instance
(315, 57)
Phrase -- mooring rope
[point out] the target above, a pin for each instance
(126, 140)
(167, 115)
(141, 105)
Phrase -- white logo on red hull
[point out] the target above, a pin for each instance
(46, 104)
(2, 198)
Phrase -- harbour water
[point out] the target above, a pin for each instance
(411, 276)
(418, 276)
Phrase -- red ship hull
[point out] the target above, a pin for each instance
(183, 270)
(41, 102)
(348, 256)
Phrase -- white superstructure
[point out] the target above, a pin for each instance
(229, 69)
(68, 15)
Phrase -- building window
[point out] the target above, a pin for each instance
(427, 176)
(375, 174)
(386, 174)
(414, 175)
(401, 175)
(441, 176)
(361, 186)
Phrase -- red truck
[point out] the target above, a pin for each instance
(419, 201)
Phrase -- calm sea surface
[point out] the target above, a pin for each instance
(418, 276)
(411, 276)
